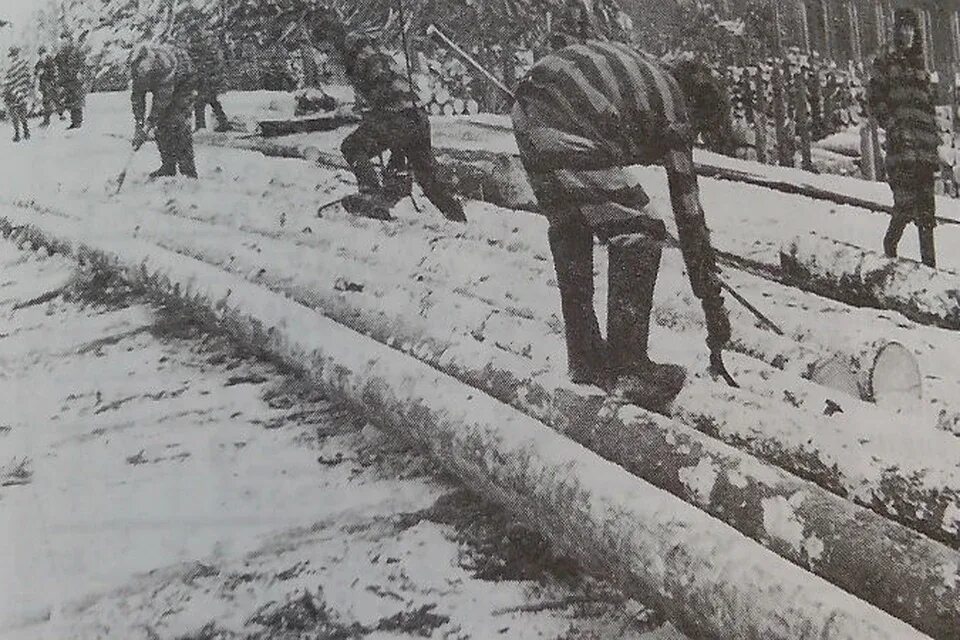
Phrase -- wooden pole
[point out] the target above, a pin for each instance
(856, 46)
(760, 116)
(868, 168)
(827, 32)
(803, 120)
(777, 27)
(803, 18)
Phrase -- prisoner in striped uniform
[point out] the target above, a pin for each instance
(392, 119)
(166, 72)
(583, 115)
(16, 89)
(902, 97)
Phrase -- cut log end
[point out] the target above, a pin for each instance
(892, 377)
(895, 375)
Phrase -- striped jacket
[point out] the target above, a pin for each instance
(586, 111)
(167, 72)
(378, 80)
(17, 85)
(901, 96)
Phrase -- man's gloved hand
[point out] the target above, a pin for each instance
(718, 322)
(139, 136)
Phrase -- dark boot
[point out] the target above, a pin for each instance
(76, 118)
(927, 247)
(164, 171)
(367, 205)
(223, 123)
(168, 158)
(634, 264)
(572, 249)
(892, 238)
(26, 130)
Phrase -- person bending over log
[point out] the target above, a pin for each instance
(392, 119)
(167, 73)
(582, 115)
(901, 96)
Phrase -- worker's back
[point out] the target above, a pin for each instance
(618, 105)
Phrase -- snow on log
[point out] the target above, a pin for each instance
(866, 456)
(861, 277)
(452, 335)
(708, 578)
(873, 370)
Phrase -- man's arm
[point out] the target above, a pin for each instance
(698, 253)
(878, 93)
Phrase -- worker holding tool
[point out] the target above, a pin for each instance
(902, 96)
(166, 72)
(582, 115)
(392, 120)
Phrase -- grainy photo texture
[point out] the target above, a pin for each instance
(479, 319)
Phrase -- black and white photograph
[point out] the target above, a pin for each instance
(480, 319)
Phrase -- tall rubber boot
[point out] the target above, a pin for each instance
(168, 158)
(572, 249)
(199, 117)
(223, 123)
(634, 264)
(892, 238)
(928, 254)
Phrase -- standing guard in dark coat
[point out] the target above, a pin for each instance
(165, 71)
(71, 74)
(583, 114)
(204, 49)
(46, 72)
(901, 96)
(392, 120)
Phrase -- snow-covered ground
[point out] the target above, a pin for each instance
(159, 483)
(256, 217)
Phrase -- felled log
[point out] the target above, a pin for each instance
(307, 124)
(709, 579)
(860, 277)
(752, 497)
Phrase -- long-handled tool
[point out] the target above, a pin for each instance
(434, 32)
(126, 167)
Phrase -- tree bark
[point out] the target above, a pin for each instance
(856, 276)
(438, 330)
(709, 579)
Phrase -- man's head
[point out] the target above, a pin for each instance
(13, 51)
(41, 51)
(708, 103)
(905, 27)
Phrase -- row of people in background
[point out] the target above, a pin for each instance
(61, 81)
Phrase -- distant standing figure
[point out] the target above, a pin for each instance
(166, 72)
(901, 96)
(16, 89)
(71, 72)
(204, 49)
(46, 72)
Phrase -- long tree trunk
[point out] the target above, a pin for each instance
(711, 580)
(856, 276)
(439, 329)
